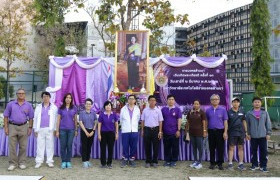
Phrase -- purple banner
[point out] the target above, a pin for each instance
(190, 82)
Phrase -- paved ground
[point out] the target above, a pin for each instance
(182, 171)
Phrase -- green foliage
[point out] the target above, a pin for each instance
(119, 14)
(261, 29)
(51, 12)
(52, 41)
(205, 52)
(3, 88)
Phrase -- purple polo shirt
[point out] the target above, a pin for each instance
(88, 119)
(130, 112)
(45, 116)
(151, 116)
(216, 117)
(19, 114)
(171, 116)
(108, 121)
(67, 118)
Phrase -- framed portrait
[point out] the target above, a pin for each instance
(131, 60)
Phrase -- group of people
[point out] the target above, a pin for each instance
(217, 123)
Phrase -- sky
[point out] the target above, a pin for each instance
(198, 10)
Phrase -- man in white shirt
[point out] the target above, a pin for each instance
(44, 127)
(129, 119)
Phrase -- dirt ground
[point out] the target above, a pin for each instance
(182, 171)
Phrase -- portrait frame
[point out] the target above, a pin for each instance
(131, 60)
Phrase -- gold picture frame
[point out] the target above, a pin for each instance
(131, 61)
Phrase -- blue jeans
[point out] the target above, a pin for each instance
(66, 137)
(129, 141)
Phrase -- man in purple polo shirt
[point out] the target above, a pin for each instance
(151, 130)
(171, 131)
(217, 131)
(16, 115)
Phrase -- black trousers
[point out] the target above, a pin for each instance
(171, 148)
(133, 73)
(216, 142)
(107, 140)
(86, 144)
(151, 140)
(261, 144)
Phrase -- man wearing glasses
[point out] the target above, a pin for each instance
(16, 115)
(217, 131)
(129, 119)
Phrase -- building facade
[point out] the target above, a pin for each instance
(274, 9)
(226, 33)
(229, 33)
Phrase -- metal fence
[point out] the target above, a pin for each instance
(34, 82)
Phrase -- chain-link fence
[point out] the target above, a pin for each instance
(34, 82)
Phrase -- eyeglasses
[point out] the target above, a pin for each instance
(20, 93)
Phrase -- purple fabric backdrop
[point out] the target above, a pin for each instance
(185, 150)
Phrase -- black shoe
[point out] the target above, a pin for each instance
(124, 163)
(132, 163)
(147, 165)
(212, 166)
(221, 167)
(155, 165)
(166, 164)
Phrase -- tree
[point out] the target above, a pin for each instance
(3, 88)
(118, 15)
(14, 15)
(205, 52)
(52, 41)
(49, 21)
(276, 30)
(261, 29)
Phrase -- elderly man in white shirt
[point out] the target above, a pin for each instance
(44, 127)
(129, 119)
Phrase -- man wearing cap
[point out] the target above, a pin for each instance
(217, 131)
(236, 132)
(16, 116)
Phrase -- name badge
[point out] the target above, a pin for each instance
(240, 114)
(174, 113)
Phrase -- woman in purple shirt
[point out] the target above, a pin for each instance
(107, 133)
(66, 129)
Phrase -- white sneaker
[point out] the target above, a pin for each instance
(198, 166)
(50, 165)
(193, 164)
(38, 165)
(11, 167)
(22, 166)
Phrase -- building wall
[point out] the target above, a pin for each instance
(229, 33)
(274, 9)
(226, 33)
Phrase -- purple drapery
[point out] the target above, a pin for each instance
(74, 82)
(185, 150)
